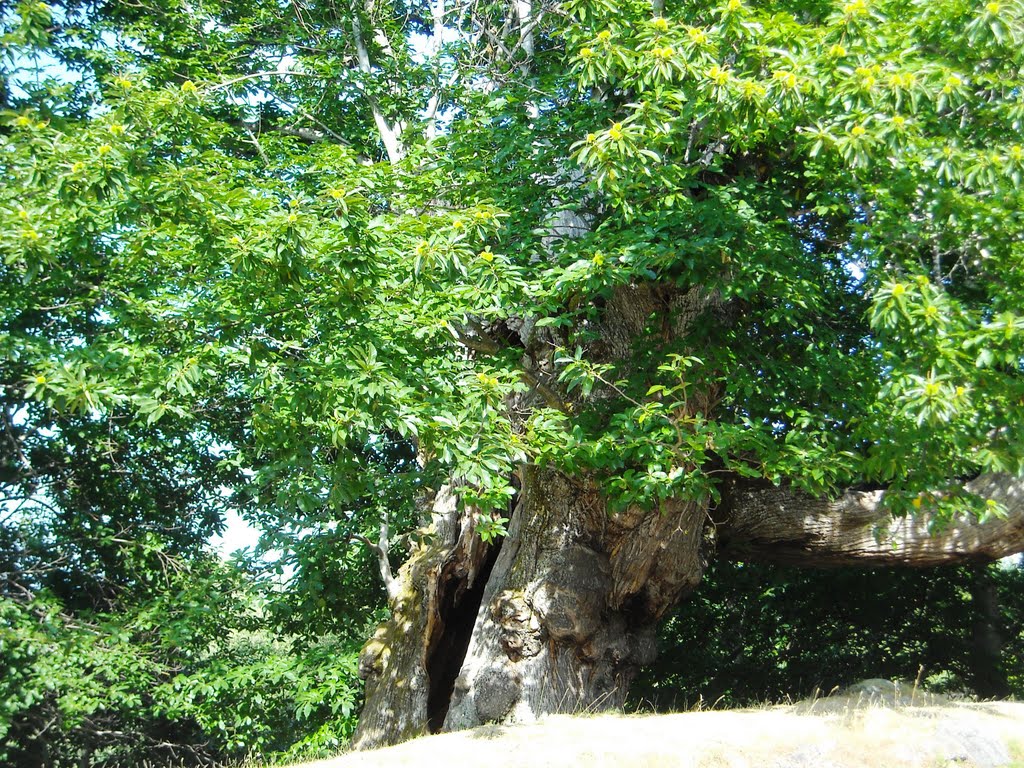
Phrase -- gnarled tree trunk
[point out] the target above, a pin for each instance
(566, 618)
(412, 659)
(561, 614)
(570, 610)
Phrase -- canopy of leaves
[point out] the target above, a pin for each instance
(197, 237)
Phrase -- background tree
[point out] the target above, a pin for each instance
(751, 634)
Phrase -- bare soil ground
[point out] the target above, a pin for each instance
(838, 732)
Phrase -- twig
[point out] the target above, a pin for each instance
(481, 342)
(256, 75)
(380, 549)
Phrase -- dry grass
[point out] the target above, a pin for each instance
(853, 735)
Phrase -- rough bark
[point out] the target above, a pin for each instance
(780, 525)
(411, 661)
(566, 618)
(569, 613)
(565, 615)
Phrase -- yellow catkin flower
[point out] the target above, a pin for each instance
(898, 290)
(992, 8)
(457, 224)
(931, 389)
(77, 167)
(902, 80)
(698, 36)
(422, 247)
(855, 8)
(750, 90)
(104, 149)
(591, 138)
(486, 255)
(336, 193)
(899, 121)
(23, 122)
(116, 129)
(292, 218)
(615, 132)
(661, 24)
(1016, 153)
(837, 51)
(734, 5)
(719, 76)
(857, 131)
(604, 35)
(40, 379)
(598, 259)
(586, 53)
(787, 79)
(189, 87)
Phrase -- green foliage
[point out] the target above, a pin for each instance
(825, 165)
(802, 162)
(194, 674)
(754, 633)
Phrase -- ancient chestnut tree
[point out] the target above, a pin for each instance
(638, 285)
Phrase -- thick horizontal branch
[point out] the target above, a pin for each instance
(781, 525)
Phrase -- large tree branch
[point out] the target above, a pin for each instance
(474, 337)
(389, 134)
(781, 525)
